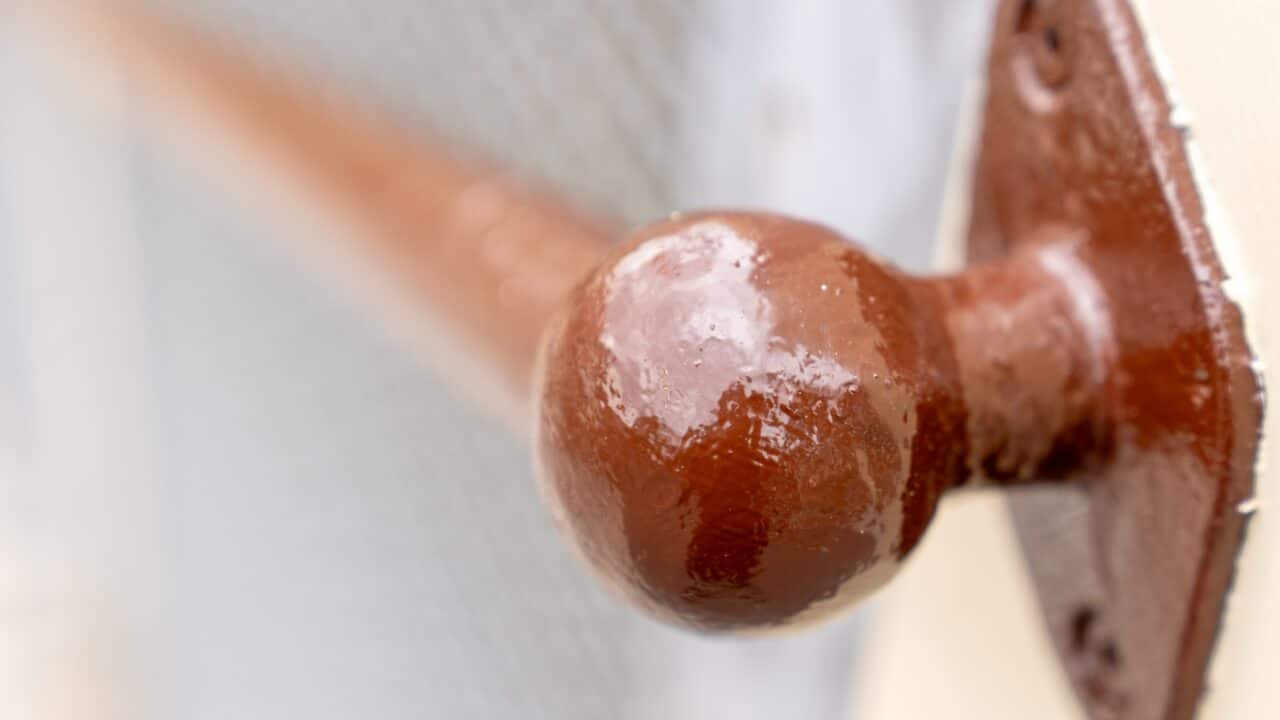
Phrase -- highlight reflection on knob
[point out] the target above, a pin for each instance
(744, 421)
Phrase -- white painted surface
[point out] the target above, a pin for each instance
(836, 111)
(84, 606)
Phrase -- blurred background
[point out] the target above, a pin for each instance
(229, 494)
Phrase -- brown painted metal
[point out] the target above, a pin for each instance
(747, 422)
(1133, 566)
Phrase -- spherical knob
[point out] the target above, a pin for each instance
(744, 421)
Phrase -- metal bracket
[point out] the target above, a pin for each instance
(1132, 569)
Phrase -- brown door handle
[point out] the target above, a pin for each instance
(746, 421)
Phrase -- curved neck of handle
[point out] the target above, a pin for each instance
(1031, 341)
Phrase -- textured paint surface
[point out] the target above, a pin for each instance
(745, 421)
(1131, 567)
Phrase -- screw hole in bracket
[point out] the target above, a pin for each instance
(1053, 40)
(1043, 41)
(1096, 660)
(1081, 626)
(1110, 655)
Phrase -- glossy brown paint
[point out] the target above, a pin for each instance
(1132, 567)
(745, 421)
